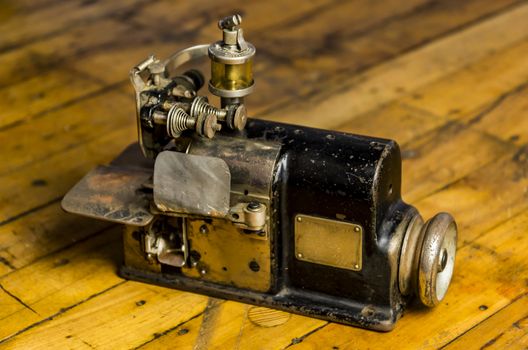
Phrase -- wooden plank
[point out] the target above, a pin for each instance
(476, 87)
(421, 171)
(41, 56)
(23, 101)
(13, 7)
(21, 27)
(395, 121)
(406, 123)
(71, 276)
(23, 156)
(373, 34)
(274, 77)
(61, 129)
(60, 172)
(257, 16)
(498, 298)
(339, 49)
(111, 63)
(5, 266)
(408, 72)
(105, 321)
(434, 160)
(237, 330)
(408, 118)
(501, 185)
(229, 326)
(19, 148)
(74, 276)
(494, 120)
(507, 329)
(40, 233)
(467, 304)
(98, 57)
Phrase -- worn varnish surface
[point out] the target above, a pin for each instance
(447, 79)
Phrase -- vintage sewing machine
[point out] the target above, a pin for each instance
(304, 220)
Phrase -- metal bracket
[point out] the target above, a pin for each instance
(251, 217)
(155, 245)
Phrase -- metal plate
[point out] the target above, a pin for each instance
(251, 162)
(328, 242)
(113, 194)
(190, 184)
(229, 256)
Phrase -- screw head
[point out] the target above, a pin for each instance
(253, 206)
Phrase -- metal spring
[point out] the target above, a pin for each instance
(177, 121)
(201, 105)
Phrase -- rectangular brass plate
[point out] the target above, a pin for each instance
(328, 242)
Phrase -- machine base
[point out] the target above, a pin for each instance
(295, 301)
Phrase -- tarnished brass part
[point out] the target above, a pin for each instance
(231, 61)
(231, 76)
(328, 242)
(228, 256)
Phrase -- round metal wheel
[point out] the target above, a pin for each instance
(409, 257)
(437, 258)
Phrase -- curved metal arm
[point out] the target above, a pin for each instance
(184, 56)
(168, 67)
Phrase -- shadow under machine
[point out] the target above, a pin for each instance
(304, 220)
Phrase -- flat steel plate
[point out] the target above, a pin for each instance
(113, 194)
(191, 184)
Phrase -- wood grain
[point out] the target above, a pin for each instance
(448, 80)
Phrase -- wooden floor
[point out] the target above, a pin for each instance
(447, 79)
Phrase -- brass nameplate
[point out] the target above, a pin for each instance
(328, 242)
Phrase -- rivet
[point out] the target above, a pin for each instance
(299, 218)
(357, 229)
(299, 255)
(356, 267)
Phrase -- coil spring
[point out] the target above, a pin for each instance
(200, 105)
(177, 121)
